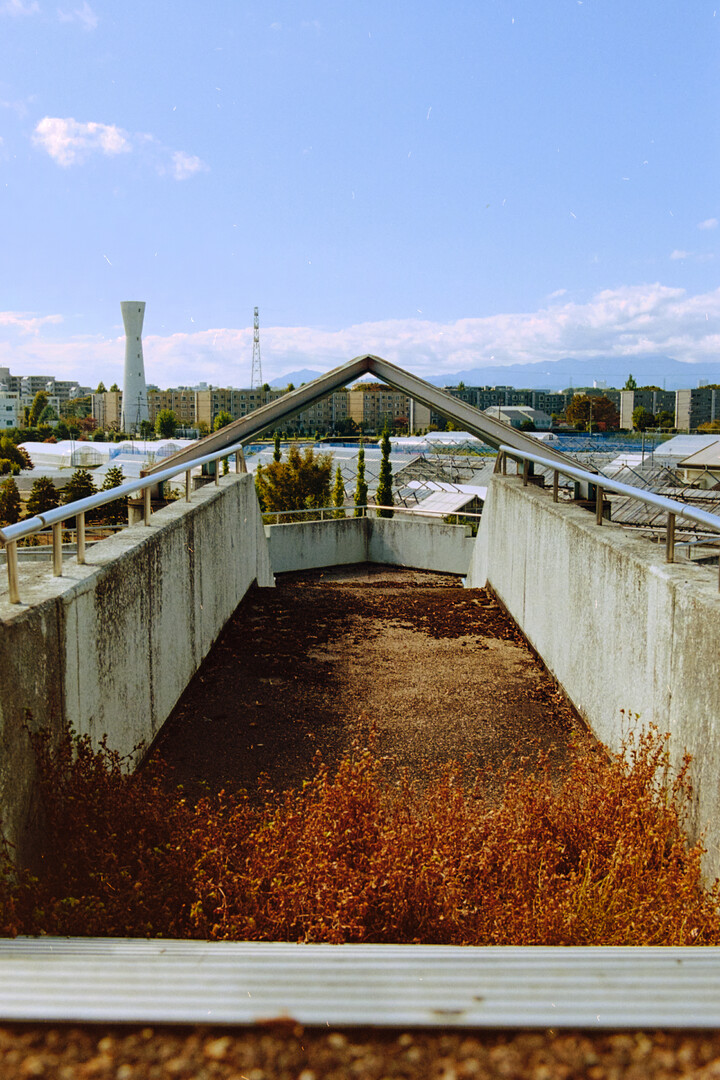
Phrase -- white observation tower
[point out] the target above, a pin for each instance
(135, 399)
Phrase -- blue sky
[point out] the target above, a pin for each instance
(445, 185)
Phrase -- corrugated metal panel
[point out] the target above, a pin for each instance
(383, 985)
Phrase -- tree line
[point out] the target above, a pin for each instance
(303, 482)
(45, 496)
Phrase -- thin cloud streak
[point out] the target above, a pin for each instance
(84, 15)
(625, 322)
(20, 7)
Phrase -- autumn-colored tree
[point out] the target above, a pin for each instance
(17, 454)
(598, 411)
(300, 483)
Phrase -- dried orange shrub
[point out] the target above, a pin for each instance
(595, 855)
(113, 860)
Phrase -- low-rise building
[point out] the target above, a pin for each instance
(516, 416)
(107, 410)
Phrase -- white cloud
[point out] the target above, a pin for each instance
(19, 7)
(69, 142)
(185, 165)
(84, 15)
(27, 322)
(694, 256)
(709, 223)
(558, 293)
(625, 322)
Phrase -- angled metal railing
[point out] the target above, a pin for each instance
(330, 513)
(11, 534)
(601, 484)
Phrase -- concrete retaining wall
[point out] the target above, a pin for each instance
(111, 646)
(420, 543)
(624, 632)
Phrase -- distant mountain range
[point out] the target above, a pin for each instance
(649, 370)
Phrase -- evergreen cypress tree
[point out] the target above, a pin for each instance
(43, 496)
(338, 495)
(361, 488)
(384, 495)
(113, 513)
(9, 502)
(80, 486)
(277, 452)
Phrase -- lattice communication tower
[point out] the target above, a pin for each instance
(256, 379)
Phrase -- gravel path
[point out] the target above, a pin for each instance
(441, 672)
(70, 1053)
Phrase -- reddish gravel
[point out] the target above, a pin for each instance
(72, 1053)
(439, 671)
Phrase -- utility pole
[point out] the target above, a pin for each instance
(256, 378)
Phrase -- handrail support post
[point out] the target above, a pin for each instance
(57, 549)
(80, 521)
(556, 485)
(670, 539)
(599, 504)
(146, 506)
(12, 569)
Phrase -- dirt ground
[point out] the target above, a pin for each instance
(439, 672)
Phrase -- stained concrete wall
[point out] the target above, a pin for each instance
(110, 646)
(423, 544)
(623, 631)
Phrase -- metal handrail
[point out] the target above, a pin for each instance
(327, 513)
(10, 534)
(604, 483)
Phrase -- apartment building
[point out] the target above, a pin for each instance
(181, 402)
(486, 397)
(695, 407)
(29, 385)
(655, 401)
(9, 406)
(375, 405)
(107, 409)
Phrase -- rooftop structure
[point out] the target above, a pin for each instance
(135, 401)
